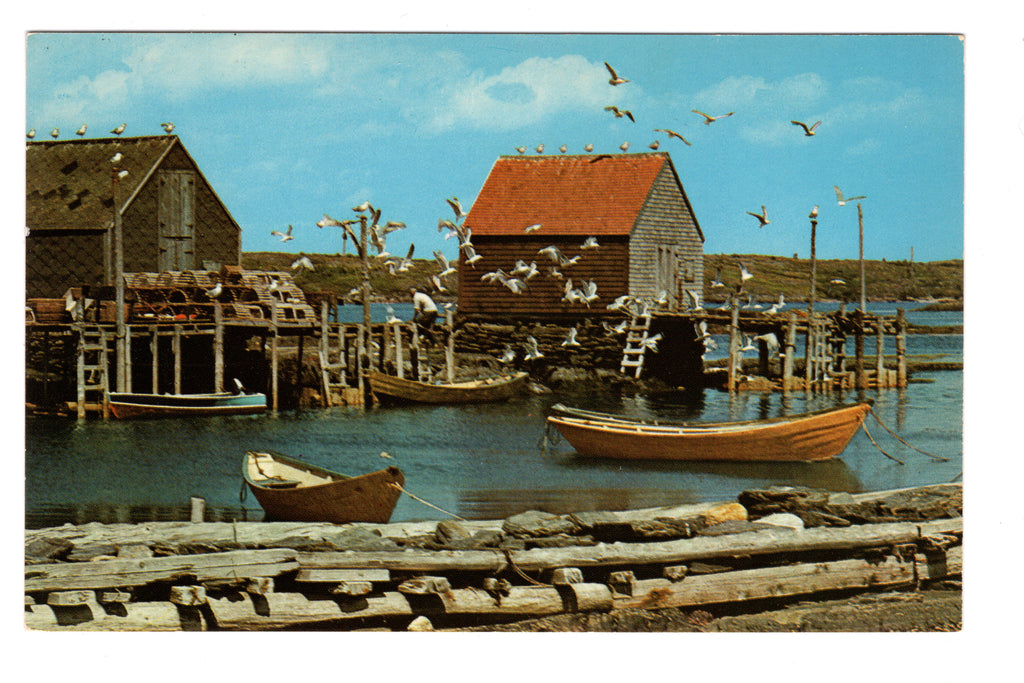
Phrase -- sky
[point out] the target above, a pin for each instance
(289, 126)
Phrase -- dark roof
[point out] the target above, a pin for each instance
(69, 183)
(594, 194)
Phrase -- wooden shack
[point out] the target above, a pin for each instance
(172, 220)
(633, 206)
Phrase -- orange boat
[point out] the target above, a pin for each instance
(817, 435)
(293, 491)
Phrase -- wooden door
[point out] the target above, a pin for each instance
(176, 208)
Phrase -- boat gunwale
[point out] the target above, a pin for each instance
(608, 418)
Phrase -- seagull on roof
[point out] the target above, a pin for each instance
(119, 129)
(744, 273)
(589, 147)
(672, 134)
(521, 150)
(81, 129)
(285, 236)
(717, 280)
(168, 127)
(655, 145)
(532, 228)
(570, 338)
(761, 217)
(808, 130)
(708, 119)
(540, 148)
(31, 133)
(619, 113)
(303, 262)
(563, 149)
(624, 147)
(55, 133)
(615, 78)
(842, 200)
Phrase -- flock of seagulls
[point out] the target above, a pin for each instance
(168, 127)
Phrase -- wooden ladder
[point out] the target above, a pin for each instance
(633, 354)
(91, 373)
(332, 372)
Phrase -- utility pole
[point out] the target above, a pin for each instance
(122, 346)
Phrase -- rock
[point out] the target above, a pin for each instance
(783, 519)
(727, 512)
(533, 524)
(420, 623)
(665, 527)
(450, 530)
(761, 502)
(359, 538)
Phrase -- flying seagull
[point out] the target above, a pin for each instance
(744, 273)
(619, 113)
(532, 228)
(457, 207)
(570, 338)
(81, 129)
(285, 236)
(842, 200)
(672, 134)
(655, 145)
(168, 127)
(717, 280)
(590, 243)
(615, 79)
(303, 262)
(807, 131)
(532, 352)
(761, 217)
(119, 129)
(708, 120)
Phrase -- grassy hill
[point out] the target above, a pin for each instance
(886, 280)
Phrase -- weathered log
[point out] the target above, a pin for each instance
(188, 596)
(329, 575)
(131, 616)
(406, 560)
(933, 566)
(128, 573)
(772, 582)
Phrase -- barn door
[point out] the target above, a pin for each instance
(176, 208)
(667, 274)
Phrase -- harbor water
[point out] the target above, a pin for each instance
(482, 461)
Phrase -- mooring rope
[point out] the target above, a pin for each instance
(520, 572)
(930, 455)
(427, 503)
(882, 450)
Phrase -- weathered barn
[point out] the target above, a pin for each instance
(172, 220)
(635, 207)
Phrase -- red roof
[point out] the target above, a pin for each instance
(594, 194)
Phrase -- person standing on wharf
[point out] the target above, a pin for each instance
(424, 312)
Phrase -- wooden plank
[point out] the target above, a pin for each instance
(407, 560)
(771, 582)
(69, 598)
(940, 565)
(188, 596)
(352, 588)
(135, 572)
(328, 575)
(132, 616)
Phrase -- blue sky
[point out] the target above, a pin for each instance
(289, 126)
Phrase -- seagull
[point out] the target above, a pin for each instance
(672, 134)
(521, 150)
(555, 273)
(814, 212)
(275, 288)
(770, 339)
(747, 344)
(613, 330)
(778, 305)
(619, 113)
(328, 221)
(570, 339)
(238, 385)
(553, 253)
(471, 256)
(391, 317)
(456, 207)
(842, 200)
(807, 131)
(81, 129)
(122, 174)
(563, 149)
(31, 133)
(654, 145)
(55, 133)
(303, 262)
(837, 281)
(589, 292)
(589, 147)
(615, 79)
(624, 146)
(446, 268)
(761, 217)
(119, 129)
(744, 273)
(717, 280)
(695, 298)
(516, 285)
(285, 236)
(168, 127)
(651, 342)
(363, 208)
(435, 280)
(116, 159)
(540, 148)
(701, 329)
(751, 302)
(532, 352)
(661, 299)
(590, 243)
(508, 355)
(532, 228)
(708, 120)
(215, 291)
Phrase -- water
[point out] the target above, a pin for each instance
(478, 462)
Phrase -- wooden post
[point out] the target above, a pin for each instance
(364, 251)
(154, 352)
(881, 379)
(273, 365)
(734, 328)
(808, 365)
(449, 351)
(414, 352)
(863, 285)
(80, 374)
(126, 344)
(789, 349)
(901, 348)
(858, 351)
(396, 333)
(841, 342)
(218, 347)
(325, 342)
(360, 354)
(197, 512)
(176, 349)
(122, 351)
(298, 363)
(762, 357)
